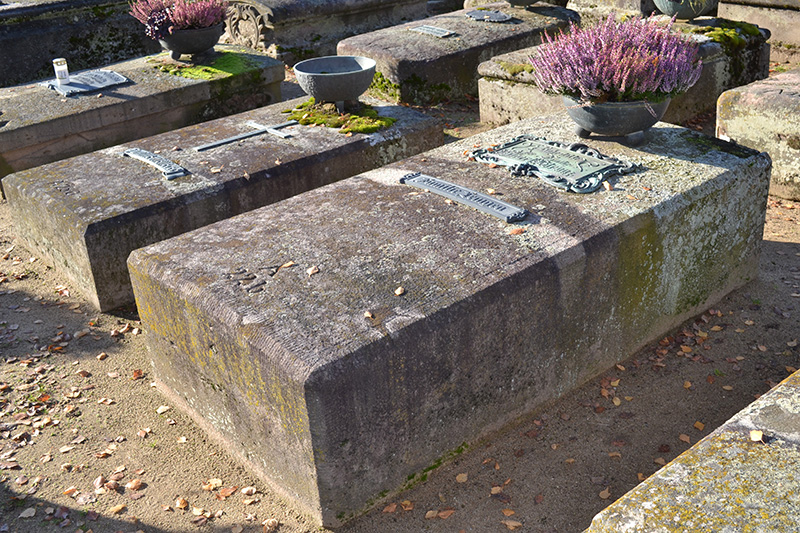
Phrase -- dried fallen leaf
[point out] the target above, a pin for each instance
(461, 478)
(248, 491)
(227, 492)
(496, 490)
(163, 409)
(640, 476)
(616, 401)
(392, 507)
(727, 387)
(687, 384)
(431, 515)
(685, 438)
(756, 435)
(659, 461)
(399, 291)
(508, 512)
(30, 512)
(616, 455)
(605, 493)
(137, 374)
(134, 484)
(117, 509)
(312, 270)
(699, 425)
(516, 231)
(607, 186)
(270, 524)
(512, 524)
(446, 513)
(180, 503)
(569, 460)
(407, 505)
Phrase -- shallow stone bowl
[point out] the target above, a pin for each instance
(335, 78)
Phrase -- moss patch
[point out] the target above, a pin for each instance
(382, 88)
(363, 120)
(224, 65)
(515, 68)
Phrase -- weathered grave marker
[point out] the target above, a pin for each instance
(86, 214)
(344, 340)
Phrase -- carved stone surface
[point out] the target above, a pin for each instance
(336, 388)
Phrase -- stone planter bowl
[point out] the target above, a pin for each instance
(685, 9)
(195, 41)
(617, 119)
(335, 78)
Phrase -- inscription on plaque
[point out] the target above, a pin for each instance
(84, 82)
(573, 167)
(168, 168)
(488, 15)
(466, 196)
(433, 30)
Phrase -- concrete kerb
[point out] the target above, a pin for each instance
(391, 381)
(729, 481)
(765, 116)
(86, 214)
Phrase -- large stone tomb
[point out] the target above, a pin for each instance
(343, 340)
(765, 116)
(418, 67)
(507, 91)
(38, 125)
(86, 214)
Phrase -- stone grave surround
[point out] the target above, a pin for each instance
(753, 483)
(86, 214)
(765, 116)
(344, 340)
(292, 30)
(38, 125)
(416, 67)
(781, 17)
(507, 92)
(89, 34)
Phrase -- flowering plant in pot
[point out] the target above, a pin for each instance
(617, 78)
(182, 26)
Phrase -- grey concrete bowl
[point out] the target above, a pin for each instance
(335, 78)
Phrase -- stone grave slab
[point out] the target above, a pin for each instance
(38, 125)
(293, 30)
(86, 214)
(344, 340)
(765, 115)
(781, 17)
(416, 67)
(725, 482)
(507, 92)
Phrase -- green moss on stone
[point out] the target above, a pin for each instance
(363, 120)
(382, 88)
(515, 68)
(709, 144)
(226, 64)
(793, 142)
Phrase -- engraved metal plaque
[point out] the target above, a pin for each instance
(433, 30)
(84, 82)
(168, 168)
(573, 167)
(260, 129)
(478, 200)
(488, 15)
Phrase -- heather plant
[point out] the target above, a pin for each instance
(635, 59)
(161, 17)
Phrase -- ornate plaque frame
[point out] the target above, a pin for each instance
(573, 167)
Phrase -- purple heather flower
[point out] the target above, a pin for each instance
(637, 59)
(160, 17)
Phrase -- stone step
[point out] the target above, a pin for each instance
(765, 116)
(39, 125)
(419, 68)
(344, 341)
(507, 92)
(86, 214)
(727, 481)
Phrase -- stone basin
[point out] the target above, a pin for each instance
(335, 78)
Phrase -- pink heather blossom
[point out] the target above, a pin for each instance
(636, 59)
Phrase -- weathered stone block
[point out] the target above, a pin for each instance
(419, 68)
(725, 482)
(38, 125)
(293, 30)
(86, 214)
(507, 92)
(780, 17)
(766, 116)
(89, 34)
(283, 330)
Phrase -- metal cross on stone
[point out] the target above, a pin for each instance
(260, 129)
